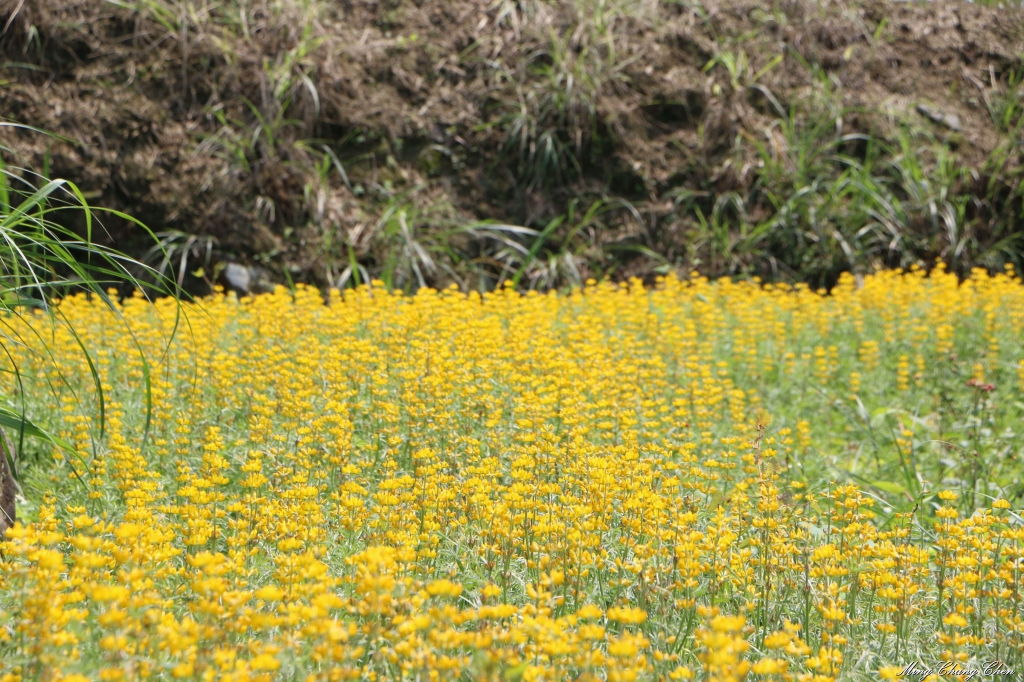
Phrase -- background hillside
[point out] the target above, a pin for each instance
(430, 142)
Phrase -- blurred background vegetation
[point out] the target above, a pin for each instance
(425, 142)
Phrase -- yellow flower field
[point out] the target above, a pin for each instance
(706, 480)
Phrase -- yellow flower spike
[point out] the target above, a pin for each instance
(264, 662)
(443, 588)
(627, 615)
(889, 672)
(770, 666)
(183, 670)
(269, 593)
(955, 620)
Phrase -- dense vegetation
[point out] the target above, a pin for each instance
(473, 142)
(708, 479)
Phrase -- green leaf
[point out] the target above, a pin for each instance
(890, 487)
(21, 424)
(514, 674)
(536, 247)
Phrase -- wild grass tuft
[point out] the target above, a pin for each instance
(41, 262)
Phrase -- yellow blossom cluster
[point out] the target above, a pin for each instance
(614, 483)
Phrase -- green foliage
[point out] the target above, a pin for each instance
(42, 261)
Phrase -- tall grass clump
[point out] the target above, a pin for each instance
(41, 262)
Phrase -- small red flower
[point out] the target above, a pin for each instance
(981, 385)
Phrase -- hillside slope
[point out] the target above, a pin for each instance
(329, 141)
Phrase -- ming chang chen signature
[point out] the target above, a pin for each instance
(985, 669)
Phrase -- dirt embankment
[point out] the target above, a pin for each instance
(311, 137)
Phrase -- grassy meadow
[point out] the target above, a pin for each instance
(695, 480)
